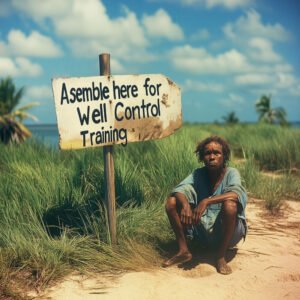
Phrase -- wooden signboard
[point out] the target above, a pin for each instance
(106, 110)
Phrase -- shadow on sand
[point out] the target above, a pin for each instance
(201, 254)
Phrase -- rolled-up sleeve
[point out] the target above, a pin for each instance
(186, 187)
(233, 184)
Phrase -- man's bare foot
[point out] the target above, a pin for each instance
(222, 267)
(179, 258)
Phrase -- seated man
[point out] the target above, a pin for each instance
(209, 204)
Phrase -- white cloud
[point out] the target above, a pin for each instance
(19, 67)
(252, 26)
(218, 44)
(82, 19)
(228, 4)
(284, 67)
(88, 19)
(191, 2)
(254, 79)
(272, 68)
(161, 25)
(191, 85)
(270, 82)
(295, 91)
(263, 76)
(85, 19)
(254, 38)
(93, 47)
(3, 49)
(267, 90)
(38, 92)
(286, 80)
(198, 60)
(233, 101)
(40, 10)
(35, 44)
(201, 34)
(262, 50)
(116, 67)
(87, 29)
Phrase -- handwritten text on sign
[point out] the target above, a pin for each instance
(107, 110)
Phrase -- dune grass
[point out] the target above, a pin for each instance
(52, 216)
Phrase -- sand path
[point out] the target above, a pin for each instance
(266, 266)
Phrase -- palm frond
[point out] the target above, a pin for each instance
(11, 127)
(22, 115)
(28, 106)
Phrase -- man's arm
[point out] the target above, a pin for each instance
(201, 207)
(186, 213)
(221, 198)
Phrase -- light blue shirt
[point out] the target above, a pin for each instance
(196, 188)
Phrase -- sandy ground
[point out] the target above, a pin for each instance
(265, 266)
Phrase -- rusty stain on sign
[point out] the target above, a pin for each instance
(164, 100)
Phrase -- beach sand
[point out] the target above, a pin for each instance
(265, 266)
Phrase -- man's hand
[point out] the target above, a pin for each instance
(186, 215)
(199, 210)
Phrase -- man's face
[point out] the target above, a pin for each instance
(213, 156)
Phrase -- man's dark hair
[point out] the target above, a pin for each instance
(225, 147)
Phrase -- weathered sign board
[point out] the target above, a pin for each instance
(107, 110)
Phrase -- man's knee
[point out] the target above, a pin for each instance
(170, 204)
(230, 208)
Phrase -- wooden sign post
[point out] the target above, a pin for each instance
(109, 170)
(101, 111)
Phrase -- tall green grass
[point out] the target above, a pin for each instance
(273, 147)
(52, 214)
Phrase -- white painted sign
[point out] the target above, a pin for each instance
(106, 110)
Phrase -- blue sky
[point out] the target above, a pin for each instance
(223, 54)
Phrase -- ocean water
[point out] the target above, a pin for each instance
(48, 134)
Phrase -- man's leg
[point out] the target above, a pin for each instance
(173, 212)
(229, 219)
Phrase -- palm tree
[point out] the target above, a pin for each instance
(12, 128)
(268, 114)
(231, 118)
